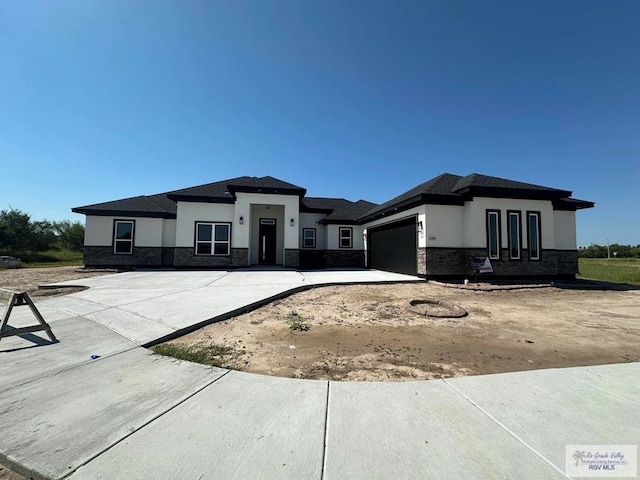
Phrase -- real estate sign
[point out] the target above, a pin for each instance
(481, 265)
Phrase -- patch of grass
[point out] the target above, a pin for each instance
(297, 323)
(214, 354)
(49, 258)
(616, 270)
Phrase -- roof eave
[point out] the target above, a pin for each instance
(122, 213)
(572, 205)
(417, 200)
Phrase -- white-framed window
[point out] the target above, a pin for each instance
(533, 235)
(123, 235)
(493, 234)
(213, 238)
(308, 238)
(345, 237)
(514, 234)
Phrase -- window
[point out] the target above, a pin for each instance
(493, 234)
(514, 233)
(533, 230)
(123, 237)
(308, 238)
(345, 236)
(213, 238)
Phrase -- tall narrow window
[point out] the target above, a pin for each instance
(514, 234)
(493, 234)
(534, 236)
(308, 238)
(345, 238)
(213, 238)
(123, 237)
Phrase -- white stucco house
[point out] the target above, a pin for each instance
(431, 230)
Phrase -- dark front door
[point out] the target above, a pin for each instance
(267, 241)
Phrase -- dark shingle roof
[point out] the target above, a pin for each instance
(441, 188)
(163, 205)
(445, 189)
(323, 205)
(224, 190)
(478, 181)
(157, 206)
(349, 213)
(212, 191)
(449, 189)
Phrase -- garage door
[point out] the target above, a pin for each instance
(393, 247)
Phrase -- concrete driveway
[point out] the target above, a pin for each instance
(98, 405)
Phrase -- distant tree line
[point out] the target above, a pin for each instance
(19, 233)
(618, 251)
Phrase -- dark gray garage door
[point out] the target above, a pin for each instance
(393, 247)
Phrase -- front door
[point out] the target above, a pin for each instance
(267, 240)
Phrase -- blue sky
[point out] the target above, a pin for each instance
(360, 99)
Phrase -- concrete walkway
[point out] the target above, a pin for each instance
(96, 405)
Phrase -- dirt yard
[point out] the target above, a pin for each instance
(28, 279)
(367, 333)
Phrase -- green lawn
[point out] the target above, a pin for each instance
(617, 270)
(50, 258)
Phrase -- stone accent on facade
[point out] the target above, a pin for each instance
(445, 261)
(291, 257)
(567, 262)
(104, 257)
(313, 258)
(455, 262)
(240, 257)
(345, 258)
(167, 256)
(185, 257)
(422, 261)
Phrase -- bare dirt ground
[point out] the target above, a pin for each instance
(6, 474)
(367, 333)
(28, 279)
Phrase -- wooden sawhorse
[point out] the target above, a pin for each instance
(18, 299)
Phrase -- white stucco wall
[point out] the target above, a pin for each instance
(333, 241)
(191, 212)
(291, 205)
(99, 231)
(565, 230)
(445, 226)
(310, 220)
(169, 232)
(420, 211)
(475, 227)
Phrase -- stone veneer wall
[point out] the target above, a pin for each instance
(567, 262)
(167, 256)
(345, 258)
(104, 257)
(445, 261)
(185, 257)
(546, 267)
(240, 257)
(312, 258)
(291, 257)
(455, 262)
(422, 260)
